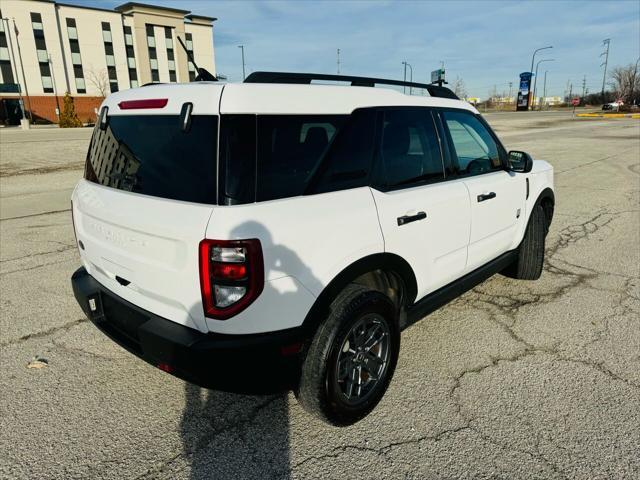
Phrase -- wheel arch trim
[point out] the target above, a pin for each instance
(384, 261)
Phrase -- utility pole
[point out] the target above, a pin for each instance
(633, 84)
(570, 91)
(607, 42)
(510, 86)
(584, 86)
(241, 47)
(338, 62)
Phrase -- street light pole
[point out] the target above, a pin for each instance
(532, 59)
(404, 78)
(544, 91)
(5, 21)
(24, 78)
(55, 89)
(241, 47)
(406, 64)
(535, 84)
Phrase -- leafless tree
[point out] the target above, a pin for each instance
(459, 88)
(626, 82)
(100, 80)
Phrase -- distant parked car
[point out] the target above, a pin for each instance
(613, 105)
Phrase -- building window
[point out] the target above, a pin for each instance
(109, 57)
(76, 59)
(36, 21)
(153, 54)
(41, 52)
(168, 41)
(128, 37)
(131, 57)
(189, 44)
(6, 74)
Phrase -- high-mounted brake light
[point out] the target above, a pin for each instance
(140, 104)
(231, 276)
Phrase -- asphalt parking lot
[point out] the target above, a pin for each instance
(517, 380)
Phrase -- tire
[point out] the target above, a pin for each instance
(528, 265)
(323, 390)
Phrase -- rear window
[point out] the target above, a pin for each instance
(152, 155)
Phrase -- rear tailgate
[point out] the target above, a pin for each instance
(147, 197)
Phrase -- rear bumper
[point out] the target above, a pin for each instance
(259, 363)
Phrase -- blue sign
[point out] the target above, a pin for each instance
(523, 91)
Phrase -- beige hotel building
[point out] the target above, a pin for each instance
(48, 48)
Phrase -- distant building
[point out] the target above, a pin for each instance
(91, 52)
(548, 101)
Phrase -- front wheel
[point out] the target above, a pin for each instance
(351, 358)
(528, 264)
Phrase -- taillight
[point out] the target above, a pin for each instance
(231, 276)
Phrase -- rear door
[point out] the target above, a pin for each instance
(144, 205)
(424, 216)
(496, 195)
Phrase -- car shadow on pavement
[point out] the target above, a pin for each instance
(228, 435)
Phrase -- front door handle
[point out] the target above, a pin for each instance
(411, 218)
(486, 196)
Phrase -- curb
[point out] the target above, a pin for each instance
(608, 115)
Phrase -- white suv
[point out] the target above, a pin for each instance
(278, 234)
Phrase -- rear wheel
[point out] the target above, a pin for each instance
(352, 357)
(528, 265)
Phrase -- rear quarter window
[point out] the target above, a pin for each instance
(266, 157)
(289, 149)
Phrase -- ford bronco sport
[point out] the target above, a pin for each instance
(279, 234)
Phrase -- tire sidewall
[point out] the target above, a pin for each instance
(375, 302)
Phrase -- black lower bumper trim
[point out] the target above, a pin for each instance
(254, 364)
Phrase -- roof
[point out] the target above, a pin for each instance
(274, 99)
(192, 16)
(130, 5)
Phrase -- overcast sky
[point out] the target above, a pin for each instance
(485, 43)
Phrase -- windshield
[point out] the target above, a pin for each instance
(152, 155)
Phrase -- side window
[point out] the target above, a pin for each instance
(348, 162)
(409, 149)
(288, 150)
(474, 148)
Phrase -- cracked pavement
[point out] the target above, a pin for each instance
(514, 380)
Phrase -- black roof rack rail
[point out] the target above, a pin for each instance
(307, 78)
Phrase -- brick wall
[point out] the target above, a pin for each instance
(43, 107)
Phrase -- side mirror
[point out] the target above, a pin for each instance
(520, 162)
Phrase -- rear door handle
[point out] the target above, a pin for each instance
(411, 218)
(486, 196)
